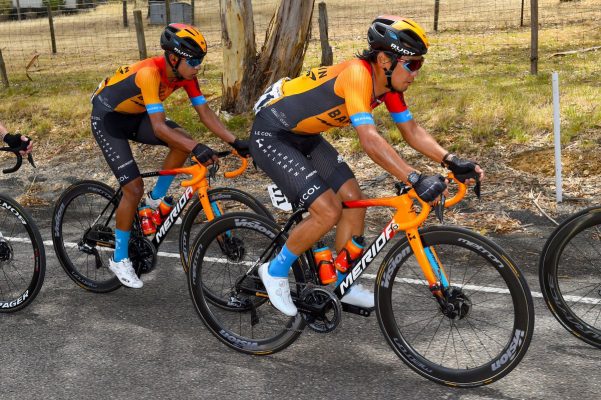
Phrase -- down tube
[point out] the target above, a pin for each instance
(368, 256)
(169, 222)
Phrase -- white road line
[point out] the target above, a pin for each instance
(586, 300)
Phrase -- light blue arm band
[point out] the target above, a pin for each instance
(362, 118)
(154, 108)
(198, 100)
(401, 117)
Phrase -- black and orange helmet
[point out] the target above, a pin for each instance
(184, 40)
(398, 35)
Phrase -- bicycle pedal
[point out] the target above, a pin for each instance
(364, 312)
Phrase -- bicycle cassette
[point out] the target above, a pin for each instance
(320, 308)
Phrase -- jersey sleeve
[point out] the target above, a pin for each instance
(395, 103)
(149, 80)
(194, 94)
(355, 85)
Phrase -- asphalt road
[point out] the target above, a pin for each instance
(150, 343)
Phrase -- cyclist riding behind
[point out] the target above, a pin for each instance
(16, 141)
(128, 106)
(286, 143)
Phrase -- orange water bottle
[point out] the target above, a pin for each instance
(166, 206)
(145, 214)
(324, 261)
(349, 253)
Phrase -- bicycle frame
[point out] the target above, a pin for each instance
(197, 184)
(405, 219)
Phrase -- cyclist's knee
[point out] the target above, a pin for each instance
(350, 190)
(326, 210)
(134, 190)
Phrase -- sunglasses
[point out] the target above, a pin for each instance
(193, 62)
(412, 65)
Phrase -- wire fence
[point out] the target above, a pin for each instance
(100, 32)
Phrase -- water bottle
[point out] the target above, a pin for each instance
(145, 214)
(349, 253)
(162, 211)
(324, 261)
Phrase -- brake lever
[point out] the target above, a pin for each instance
(477, 188)
(439, 209)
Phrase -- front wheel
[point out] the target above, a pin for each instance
(482, 330)
(226, 290)
(570, 275)
(22, 256)
(83, 234)
(223, 200)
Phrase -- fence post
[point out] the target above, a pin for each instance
(533, 37)
(192, 4)
(18, 10)
(125, 13)
(140, 34)
(522, 15)
(326, 50)
(436, 13)
(51, 22)
(167, 12)
(3, 70)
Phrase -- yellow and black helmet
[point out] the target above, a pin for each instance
(398, 35)
(184, 40)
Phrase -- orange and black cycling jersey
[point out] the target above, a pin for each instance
(142, 87)
(333, 96)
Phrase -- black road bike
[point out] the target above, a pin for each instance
(83, 224)
(22, 256)
(570, 274)
(451, 303)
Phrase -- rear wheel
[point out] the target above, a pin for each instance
(22, 256)
(226, 290)
(83, 234)
(223, 200)
(482, 329)
(570, 275)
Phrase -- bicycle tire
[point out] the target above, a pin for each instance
(74, 213)
(255, 316)
(230, 200)
(22, 256)
(483, 275)
(570, 275)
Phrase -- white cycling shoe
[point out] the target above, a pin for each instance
(278, 290)
(126, 273)
(359, 296)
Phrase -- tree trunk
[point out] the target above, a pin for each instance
(246, 73)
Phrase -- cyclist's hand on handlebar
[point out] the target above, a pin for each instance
(241, 147)
(19, 142)
(204, 154)
(428, 188)
(465, 171)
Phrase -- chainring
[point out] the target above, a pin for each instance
(329, 315)
(143, 255)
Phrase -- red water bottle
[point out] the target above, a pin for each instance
(145, 214)
(324, 261)
(349, 253)
(166, 206)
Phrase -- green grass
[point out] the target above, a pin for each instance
(474, 92)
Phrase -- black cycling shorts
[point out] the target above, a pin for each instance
(302, 166)
(113, 131)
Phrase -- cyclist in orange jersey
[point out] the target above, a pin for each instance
(286, 143)
(14, 140)
(128, 106)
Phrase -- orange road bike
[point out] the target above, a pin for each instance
(22, 256)
(83, 224)
(570, 274)
(451, 303)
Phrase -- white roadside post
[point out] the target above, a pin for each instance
(557, 137)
